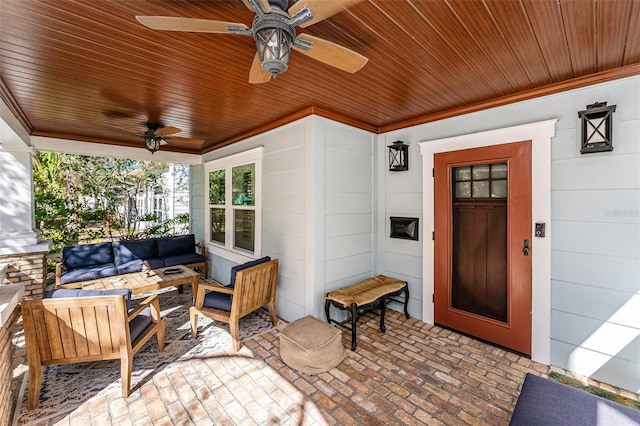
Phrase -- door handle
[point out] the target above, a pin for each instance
(525, 249)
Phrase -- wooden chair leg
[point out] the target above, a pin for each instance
(126, 365)
(233, 326)
(193, 319)
(160, 335)
(35, 383)
(272, 312)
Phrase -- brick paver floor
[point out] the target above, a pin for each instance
(414, 373)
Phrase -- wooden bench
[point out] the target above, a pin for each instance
(368, 295)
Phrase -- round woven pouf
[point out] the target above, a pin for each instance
(311, 346)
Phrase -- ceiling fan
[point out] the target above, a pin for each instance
(158, 134)
(274, 31)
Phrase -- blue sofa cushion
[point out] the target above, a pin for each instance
(138, 324)
(156, 262)
(246, 265)
(172, 246)
(217, 301)
(84, 255)
(545, 402)
(76, 292)
(183, 259)
(130, 267)
(88, 273)
(126, 251)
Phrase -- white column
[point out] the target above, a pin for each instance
(18, 233)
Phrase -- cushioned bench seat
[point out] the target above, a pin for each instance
(370, 294)
(545, 402)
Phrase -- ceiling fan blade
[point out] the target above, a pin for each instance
(188, 140)
(168, 23)
(333, 54)
(322, 9)
(163, 142)
(166, 131)
(257, 74)
(265, 5)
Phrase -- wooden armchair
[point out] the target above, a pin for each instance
(254, 287)
(68, 330)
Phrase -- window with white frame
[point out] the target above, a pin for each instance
(233, 205)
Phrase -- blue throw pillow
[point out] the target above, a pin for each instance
(126, 251)
(172, 246)
(87, 255)
(232, 281)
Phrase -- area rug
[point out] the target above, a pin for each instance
(561, 378)
(65, 387)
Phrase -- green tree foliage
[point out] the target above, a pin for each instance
(93, 198)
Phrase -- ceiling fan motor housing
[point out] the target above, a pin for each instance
(274, 37)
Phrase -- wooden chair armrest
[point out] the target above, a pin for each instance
(152, 302)
(58, 272)
(219, 288)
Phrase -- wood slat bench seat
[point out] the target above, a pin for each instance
(365, 296)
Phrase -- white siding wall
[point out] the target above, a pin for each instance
(348, 207)
(302, 195)
(595, 229)
(400, 194)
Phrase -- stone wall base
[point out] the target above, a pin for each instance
(29, 269)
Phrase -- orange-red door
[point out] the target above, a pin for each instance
(482, 243)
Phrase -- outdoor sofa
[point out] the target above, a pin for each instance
(86, 262)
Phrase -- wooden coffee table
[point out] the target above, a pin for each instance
(141, 282)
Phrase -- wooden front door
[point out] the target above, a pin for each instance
(482, 201)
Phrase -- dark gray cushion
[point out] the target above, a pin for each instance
(76, 292)
(130, 267)
(88, 273)
(547, 403)
(246, 265)
(172, 246)
(87, 255)
(217, 301)
(156, 262)
(139, 323)
(183, 259)
(126, 251)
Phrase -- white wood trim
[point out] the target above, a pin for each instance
(227, 251)
(540, 134)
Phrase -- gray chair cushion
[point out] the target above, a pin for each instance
(546, 403)
(138, 324)
(76, 292)
(217, 301)
(246, 265)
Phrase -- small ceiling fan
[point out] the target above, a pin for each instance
(274, 31)
(157, 134)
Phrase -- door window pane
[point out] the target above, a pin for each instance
(499, 171)
(216, 187)
(480, 172)
(217, 225)
(243, 185)
(244, 235)
(481, 189)
(499, 189)
(463, 189)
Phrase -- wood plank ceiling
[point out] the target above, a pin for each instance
(87, 70)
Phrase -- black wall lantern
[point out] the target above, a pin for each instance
(398, 157)
(596, 128)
